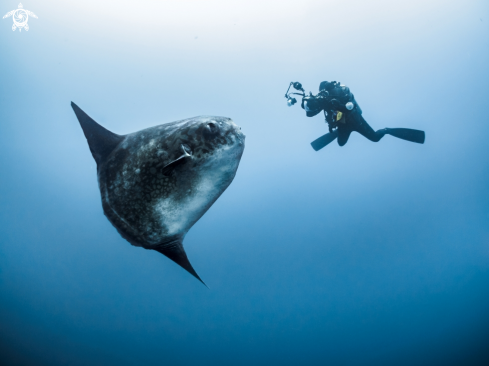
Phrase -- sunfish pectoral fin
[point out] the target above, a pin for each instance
(178, 161)
(175, 251)
(100, 140)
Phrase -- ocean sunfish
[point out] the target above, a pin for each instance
(158, 182)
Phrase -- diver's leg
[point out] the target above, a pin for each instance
(359, 124)
(343, 135)
(407, 134)
(362, 127)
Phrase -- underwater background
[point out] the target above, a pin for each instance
(368, 254)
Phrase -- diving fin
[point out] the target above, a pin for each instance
(175, 251)
(324, 140)
(407, 134)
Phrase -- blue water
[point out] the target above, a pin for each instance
(369, 254)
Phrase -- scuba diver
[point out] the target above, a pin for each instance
(343, 115)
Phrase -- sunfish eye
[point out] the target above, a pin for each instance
(211, 129)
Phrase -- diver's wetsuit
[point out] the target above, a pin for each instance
(355, 122)
(333, 98)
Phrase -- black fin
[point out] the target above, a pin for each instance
(324, 140)
(100, 140)
(175, 251)
(407, 134)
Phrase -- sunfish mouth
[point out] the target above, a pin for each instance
(240, 135)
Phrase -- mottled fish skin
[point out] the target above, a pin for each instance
(149, 206)
(157, 183)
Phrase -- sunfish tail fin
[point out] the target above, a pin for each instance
(100, 140)
(407, 134)
(175, 251)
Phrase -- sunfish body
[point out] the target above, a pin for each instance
(158, 182)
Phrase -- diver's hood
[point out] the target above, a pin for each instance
(326, 85)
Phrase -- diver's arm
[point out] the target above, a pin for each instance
(340, 97)
(338, 106)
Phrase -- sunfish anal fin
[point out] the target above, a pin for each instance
(175, 251)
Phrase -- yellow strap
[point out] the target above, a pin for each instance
(339, 115)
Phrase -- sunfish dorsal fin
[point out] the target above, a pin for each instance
(175, 251)
(100, 140)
